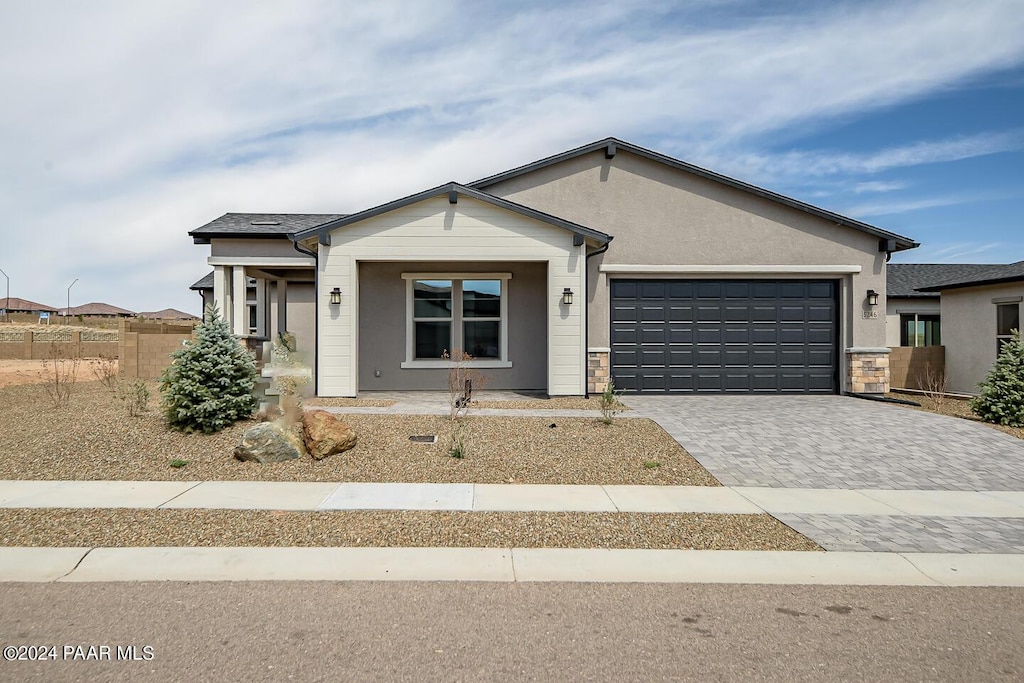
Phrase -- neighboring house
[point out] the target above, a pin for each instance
(16, 305)
(97, 310)
(978, 312)
(606, 260)
(167, 314)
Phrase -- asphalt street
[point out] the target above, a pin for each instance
(272, 631)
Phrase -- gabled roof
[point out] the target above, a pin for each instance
(15, 304)
(453, 189)
(259, 225)
(613, 145)
(96, 309)
(991, 275)
(168, 314)
(904, 279)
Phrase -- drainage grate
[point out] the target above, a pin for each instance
(423, 438)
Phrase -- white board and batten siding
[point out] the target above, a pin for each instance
(433, 231)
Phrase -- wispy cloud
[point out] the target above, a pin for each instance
(878, 186)
(125, 125)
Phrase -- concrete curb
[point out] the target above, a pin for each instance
(508, 565)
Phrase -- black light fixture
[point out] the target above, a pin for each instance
(336, 297)
(872, 297)
(567, 296)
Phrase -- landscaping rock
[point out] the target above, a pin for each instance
(270, 442)
(325, 434)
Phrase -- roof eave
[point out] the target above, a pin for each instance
(973, 283)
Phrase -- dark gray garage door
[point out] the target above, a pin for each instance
(724, 336)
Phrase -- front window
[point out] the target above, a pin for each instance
(1007, 320)
(920, 330)
(454, 311)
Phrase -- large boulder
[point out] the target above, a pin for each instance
(325, 434)
(270, 442)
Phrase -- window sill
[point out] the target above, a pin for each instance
(445, 364)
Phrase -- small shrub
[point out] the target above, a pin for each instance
(209, 385)
(934, 384)
(463, 380)
(134, 396)
(609, 403)
(178, 462)
(60, 371)
(1002, 392)
(105, 370)
(652, 464)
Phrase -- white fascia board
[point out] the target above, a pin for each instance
(727, 269)
(261, 261)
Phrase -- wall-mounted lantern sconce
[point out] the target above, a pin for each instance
(567, 296)
(872, 297)
(336, 297)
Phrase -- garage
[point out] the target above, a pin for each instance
(741, 336)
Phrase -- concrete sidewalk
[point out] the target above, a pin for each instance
(507, 565)
(258, 495)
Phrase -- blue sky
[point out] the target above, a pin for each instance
(125, 125)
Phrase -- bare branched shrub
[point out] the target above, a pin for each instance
(104, 369)
(60, 370)
(934, 384)
(463, 380)
(133, 395)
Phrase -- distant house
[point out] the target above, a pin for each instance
(167, 314)
(979, 309)
(96, 310)
(16, 305)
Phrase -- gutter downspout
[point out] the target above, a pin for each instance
(586, 314)
(316, 310)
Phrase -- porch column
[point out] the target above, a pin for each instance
(261, 307)
(221, 292)
(239, 320)
(282, 306)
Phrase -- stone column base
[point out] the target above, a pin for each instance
(867, 370)
(598, 370)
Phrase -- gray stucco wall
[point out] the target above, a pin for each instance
(382, 326)
(664, 216)
(251, 247)
(969, 332)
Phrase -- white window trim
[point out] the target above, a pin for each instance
(412, 363)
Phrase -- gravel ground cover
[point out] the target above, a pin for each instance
(555, 403)
(348, 402)
(955, 407)
(95, 439)
(128, 527)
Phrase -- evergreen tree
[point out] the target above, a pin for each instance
(1002, 393)
(209, 385)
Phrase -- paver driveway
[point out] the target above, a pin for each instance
(836, 442)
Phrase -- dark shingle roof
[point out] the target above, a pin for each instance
(261, 224)
(990, 275)
(903, 279)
